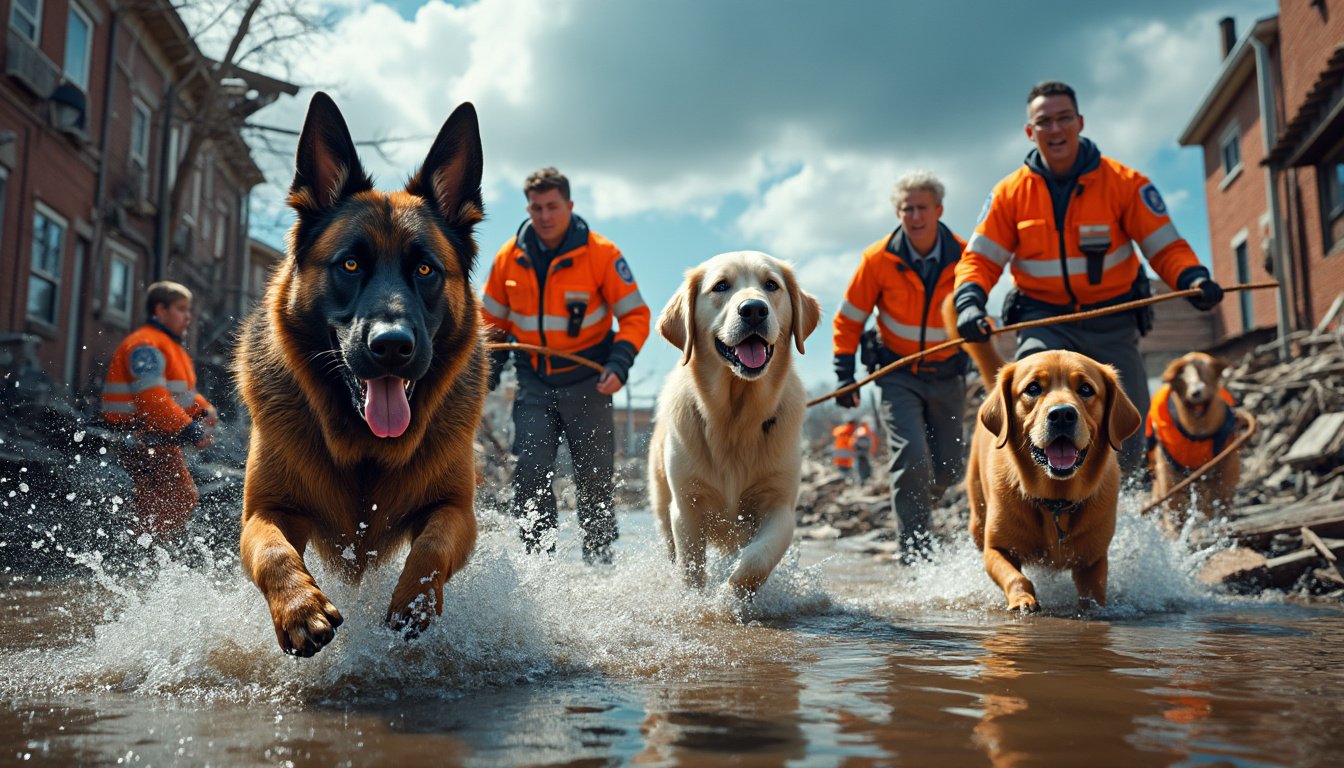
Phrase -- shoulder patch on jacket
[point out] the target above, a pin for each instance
(1150, 197)
(623, 270)
(146, 362)
(984, 209)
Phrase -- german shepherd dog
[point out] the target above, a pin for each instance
(364, 373)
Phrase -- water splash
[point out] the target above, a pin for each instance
(202, 632)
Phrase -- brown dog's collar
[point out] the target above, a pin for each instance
(1057, 507)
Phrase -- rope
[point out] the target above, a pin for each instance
(505, 345)
(1232, 445)
(1128, 305)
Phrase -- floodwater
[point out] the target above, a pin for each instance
(841, 660)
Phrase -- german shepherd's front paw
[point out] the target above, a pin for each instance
(415, 602)
(305, 621)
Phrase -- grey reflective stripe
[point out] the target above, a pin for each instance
(1077, 264)
(853, 312)
(116, 389)
(629, 304)
(911, 332)
(177, 386)
(140, 385)
(185, 399)
(115, 407)
(1160, 238)
(989, 249)
(494, 308)
(561, 322)
(524, 322)
(843, 453)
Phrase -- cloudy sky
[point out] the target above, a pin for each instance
(695, 127)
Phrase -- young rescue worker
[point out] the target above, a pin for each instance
(842, 448)
(906, 276)
(151, 392)
(1068, 220)
(560, 285)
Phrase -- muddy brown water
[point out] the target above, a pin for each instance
(842, 660)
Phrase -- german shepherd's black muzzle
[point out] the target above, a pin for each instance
(384, 341)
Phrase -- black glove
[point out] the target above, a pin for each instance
(972, 322)
(621, 358)
(1210, 293)
(849, 399)
(844, 367)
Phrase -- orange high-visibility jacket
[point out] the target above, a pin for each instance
(151, 384)
(908, 311)
(842, 453)
(1183, 449)
(1111, 208)
(587, 285)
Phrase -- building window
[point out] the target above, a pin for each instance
(1243, 277)
(25, 17)
(120, 276)
(1229, 150)
(78, 48)
(44, 281)
(1332, 202)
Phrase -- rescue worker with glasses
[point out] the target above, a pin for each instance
(558, 284)
(1068, 221)
(906, 276)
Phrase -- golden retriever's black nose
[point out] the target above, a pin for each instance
(754, 311)
(391, 345)
(1062, 417)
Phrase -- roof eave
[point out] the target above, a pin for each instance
(1239, 65)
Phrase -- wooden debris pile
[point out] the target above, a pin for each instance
(1287, 530)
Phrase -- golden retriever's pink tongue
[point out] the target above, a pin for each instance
(751, 353)
(1061, 454)
(385, 407)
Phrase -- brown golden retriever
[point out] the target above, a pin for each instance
(364, 373)
(725, 458)
(1043, 478)
(1190, 421)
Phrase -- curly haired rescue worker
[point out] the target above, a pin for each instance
(151, 392)
(1068, 221)
(906, 276)
(558, 284)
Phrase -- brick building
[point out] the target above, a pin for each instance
(1289, 69)
(98, 106)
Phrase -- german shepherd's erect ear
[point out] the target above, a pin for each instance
(326, 168)
(450, 178)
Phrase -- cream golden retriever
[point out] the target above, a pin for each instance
(725, 458)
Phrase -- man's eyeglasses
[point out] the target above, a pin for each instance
(1063, 121)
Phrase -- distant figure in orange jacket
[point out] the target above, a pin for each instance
(151, 392)
(1066, 223)
(842, 450)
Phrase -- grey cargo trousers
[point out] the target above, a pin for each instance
(542, 414)
(922, 418)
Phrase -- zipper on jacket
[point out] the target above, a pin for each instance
(1063, 251)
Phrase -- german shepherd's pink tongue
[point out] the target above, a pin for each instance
(1062, 454)
(385, 407)
(751, 352)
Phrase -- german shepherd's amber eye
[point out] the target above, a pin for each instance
(424, 270)
(350, 265)
(1086, 390)
(1033, 389)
